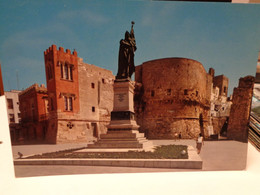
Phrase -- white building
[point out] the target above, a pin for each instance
(12, 102)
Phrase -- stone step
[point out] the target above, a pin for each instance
(123, 132)
(122, 141)
(121, 135)
(115, 145)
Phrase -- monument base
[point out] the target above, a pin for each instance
(122, 120)
(123, 129)
(130, 139)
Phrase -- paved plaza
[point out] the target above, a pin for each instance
(216, 155)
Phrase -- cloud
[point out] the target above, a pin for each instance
(87, 15)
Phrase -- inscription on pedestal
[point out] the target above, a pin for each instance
(121, 97)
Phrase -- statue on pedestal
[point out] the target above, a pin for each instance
(127, 50)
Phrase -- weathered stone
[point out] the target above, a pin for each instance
(240, 110)
(172, 96)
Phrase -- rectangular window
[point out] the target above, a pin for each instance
(71, 73)
(225, 89)
(93, 109)
(11, 118)
(10, 104)
(61, 71)
(169, 91)
(93, 85)
(152, 93)
(66, 71)
(68, 103)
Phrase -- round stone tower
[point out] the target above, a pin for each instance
(172, 97)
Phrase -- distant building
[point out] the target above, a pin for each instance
(220, 106)
(34, 112)
(14, 116)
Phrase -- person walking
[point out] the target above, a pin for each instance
(199, 143)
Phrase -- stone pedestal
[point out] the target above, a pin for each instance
(122, 116)
(123, 129)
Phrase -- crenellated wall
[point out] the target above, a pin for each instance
(84, 117)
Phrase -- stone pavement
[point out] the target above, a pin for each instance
(216, 155)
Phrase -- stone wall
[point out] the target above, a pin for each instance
(33, 111)
(96, 92)
(240, 110)
(172, 95)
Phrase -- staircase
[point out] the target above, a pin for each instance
(127, 139)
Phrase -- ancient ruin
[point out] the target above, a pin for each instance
(174, 96)
(240, 110)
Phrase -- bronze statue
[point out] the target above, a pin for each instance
(127, 50)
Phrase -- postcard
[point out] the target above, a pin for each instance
(133, 87)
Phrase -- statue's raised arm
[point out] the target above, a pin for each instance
(127, 49)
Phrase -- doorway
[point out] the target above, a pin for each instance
(94, 130)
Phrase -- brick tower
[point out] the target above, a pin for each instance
(63, 89)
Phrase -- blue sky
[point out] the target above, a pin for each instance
(220, 35)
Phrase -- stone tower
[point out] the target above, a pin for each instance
(173, 96)
(63, 87)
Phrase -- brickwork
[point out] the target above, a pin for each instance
(80, 97)
(172, 95)
(33, 108)
(240, 110)
(62, 78)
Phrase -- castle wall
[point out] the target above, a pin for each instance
(240, 110)
(96, 88)
(173, 97)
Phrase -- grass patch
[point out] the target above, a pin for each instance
(160, 152)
